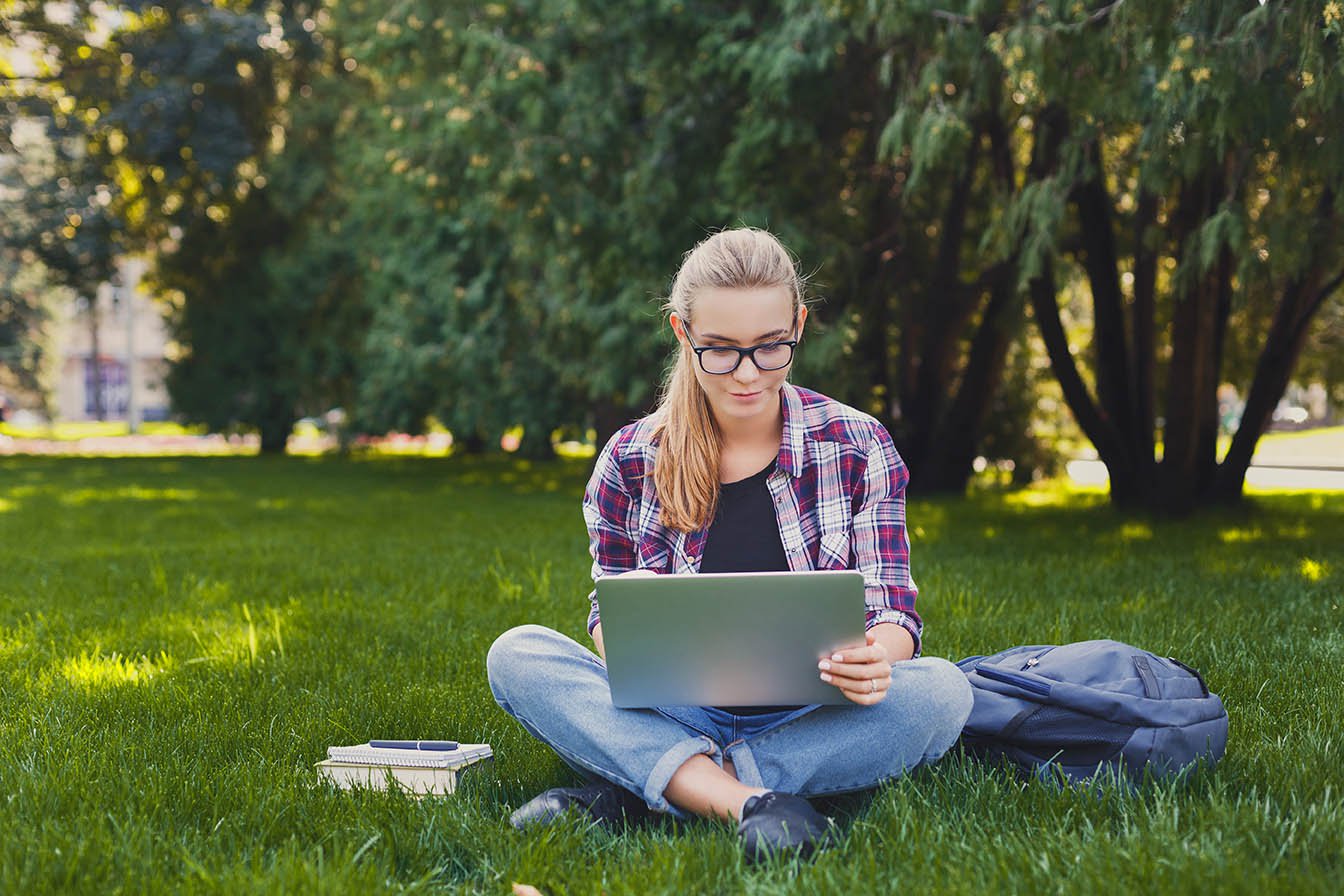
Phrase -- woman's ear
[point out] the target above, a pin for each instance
(802, 318)
(678, 327)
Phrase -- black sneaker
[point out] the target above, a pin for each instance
(781, 824)
(606, 803)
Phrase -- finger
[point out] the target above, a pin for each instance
(865, 698)
(853, 691)
(855, 671)
(870, 654)
(875, 684)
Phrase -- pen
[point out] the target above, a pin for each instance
(415, 744)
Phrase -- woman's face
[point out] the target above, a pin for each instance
(741, 318)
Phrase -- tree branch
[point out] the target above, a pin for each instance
(1103, 13)
(955, 18)
(1283, 346)
(1319, 299)
(1045, 306)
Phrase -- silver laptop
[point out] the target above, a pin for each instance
(727, 639)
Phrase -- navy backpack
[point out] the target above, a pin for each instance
(1079, 709)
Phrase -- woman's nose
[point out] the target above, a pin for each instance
(747, 371)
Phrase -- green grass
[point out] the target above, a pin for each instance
(180, 640)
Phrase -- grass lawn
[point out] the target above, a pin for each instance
(180, 640)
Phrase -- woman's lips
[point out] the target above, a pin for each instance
(744, 396)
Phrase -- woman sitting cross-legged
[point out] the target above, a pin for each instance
(739, 470)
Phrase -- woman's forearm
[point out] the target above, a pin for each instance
(597, 641)
(898, 642)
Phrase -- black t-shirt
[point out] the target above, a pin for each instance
(744, 537)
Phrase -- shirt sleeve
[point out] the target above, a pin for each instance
(880, 543)
(607, 510)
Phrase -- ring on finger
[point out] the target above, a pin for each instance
(872, 685)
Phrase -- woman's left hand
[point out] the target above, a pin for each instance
(863, 674)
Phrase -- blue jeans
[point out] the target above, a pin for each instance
(557, 689)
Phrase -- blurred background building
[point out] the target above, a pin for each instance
(110, 358)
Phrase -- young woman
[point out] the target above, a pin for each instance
(739, 470)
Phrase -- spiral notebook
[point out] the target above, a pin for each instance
(418, 772)
(364, 754)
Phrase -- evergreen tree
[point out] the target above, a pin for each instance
(1183, 171)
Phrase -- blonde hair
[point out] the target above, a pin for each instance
(686, 472)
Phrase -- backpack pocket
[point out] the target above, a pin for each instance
(1029, 683)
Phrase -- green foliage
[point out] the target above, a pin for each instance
(470, 212)
(159, 121)
(177, 653)
(1177, 158)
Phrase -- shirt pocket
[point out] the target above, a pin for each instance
(833, 551)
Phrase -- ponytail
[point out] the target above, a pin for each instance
(686, 473)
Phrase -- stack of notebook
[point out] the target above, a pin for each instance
(419, 767)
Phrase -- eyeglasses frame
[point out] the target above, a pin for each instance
(749, 351)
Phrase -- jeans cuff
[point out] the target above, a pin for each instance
(744, 764)
(666, 767)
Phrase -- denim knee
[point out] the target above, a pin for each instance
(507, 662)
(948, 704)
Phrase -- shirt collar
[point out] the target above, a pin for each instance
(791, 445)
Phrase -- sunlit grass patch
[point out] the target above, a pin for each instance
(1055, 493)
(1132, 531)
(95, 669)
(68, 431)
(80, 497)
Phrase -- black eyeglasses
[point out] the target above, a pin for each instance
(723, 359)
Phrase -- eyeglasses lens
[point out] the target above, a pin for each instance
(772, 357)
(765, 357)
(719, 360)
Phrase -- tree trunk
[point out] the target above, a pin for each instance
(536, 442)
(1100, 259)
(1207, 469)
(95, 352)
(961, 426)
(1127, 489)
(945, 312)
(961, 423)
(473, 443)
(275, 434)
(1273, 369)
(1192, 374)
(1144, 325)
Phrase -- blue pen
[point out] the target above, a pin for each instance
(414, 744)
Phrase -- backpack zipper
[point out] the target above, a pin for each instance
(1021, 681)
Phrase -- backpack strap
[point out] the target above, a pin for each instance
(1150, 688)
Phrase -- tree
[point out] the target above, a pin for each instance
(164, 116)
(1184, 174)
(556, 159)
(265, 300)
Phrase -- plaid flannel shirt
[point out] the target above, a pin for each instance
(839, 493)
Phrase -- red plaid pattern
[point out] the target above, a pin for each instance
(839, 493)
